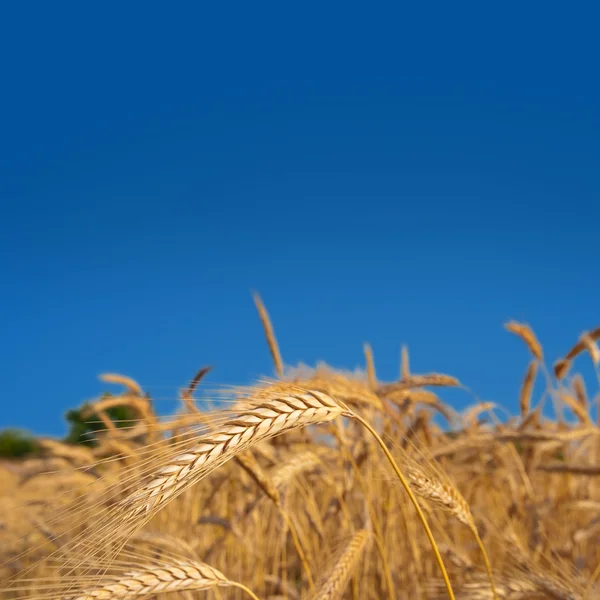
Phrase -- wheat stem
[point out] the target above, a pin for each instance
(488, 566)
(241, 586)
(413, 499)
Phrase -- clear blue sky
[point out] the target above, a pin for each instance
(394, 173)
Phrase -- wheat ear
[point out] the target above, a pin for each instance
(371, 376)
(147, 581)
(271, 339)
(265, 414)
(525, 332)
(526, 389)
(445, 495)
(337, 582)
(271, 414)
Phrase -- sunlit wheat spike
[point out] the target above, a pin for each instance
(581, 345)
(296, 464)
(431, 488)
(470, 416)
(201, 373)
(579, 389)
(592, 347)
(144, 582)
(404, 363)
(371, 376)
(337, 582)
(271, 339)
(416, 381)
(579, 411)
(561, 368)
(131, 385)
(525, 332)
(526, 388)
(272, 414)
(187, 393)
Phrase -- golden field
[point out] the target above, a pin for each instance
(318, 484)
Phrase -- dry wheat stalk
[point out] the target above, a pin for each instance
(251, 466)
(587, 470)
(247, 461)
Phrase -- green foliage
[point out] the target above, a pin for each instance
(15, 443)
(83, 429)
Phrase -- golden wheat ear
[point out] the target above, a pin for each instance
(270, 334)
(335, 585)
(179, 576)
(134, 576)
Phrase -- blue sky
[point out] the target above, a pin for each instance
(384, 173)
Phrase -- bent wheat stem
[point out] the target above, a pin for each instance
(413, 499)
(488, 566)
(242, 587)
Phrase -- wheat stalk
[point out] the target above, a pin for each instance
(251, 466)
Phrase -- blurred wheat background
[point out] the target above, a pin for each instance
(289, 489)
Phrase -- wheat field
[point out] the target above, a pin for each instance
(318, 484)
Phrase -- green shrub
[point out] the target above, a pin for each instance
(15, 443)
(83, 430)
